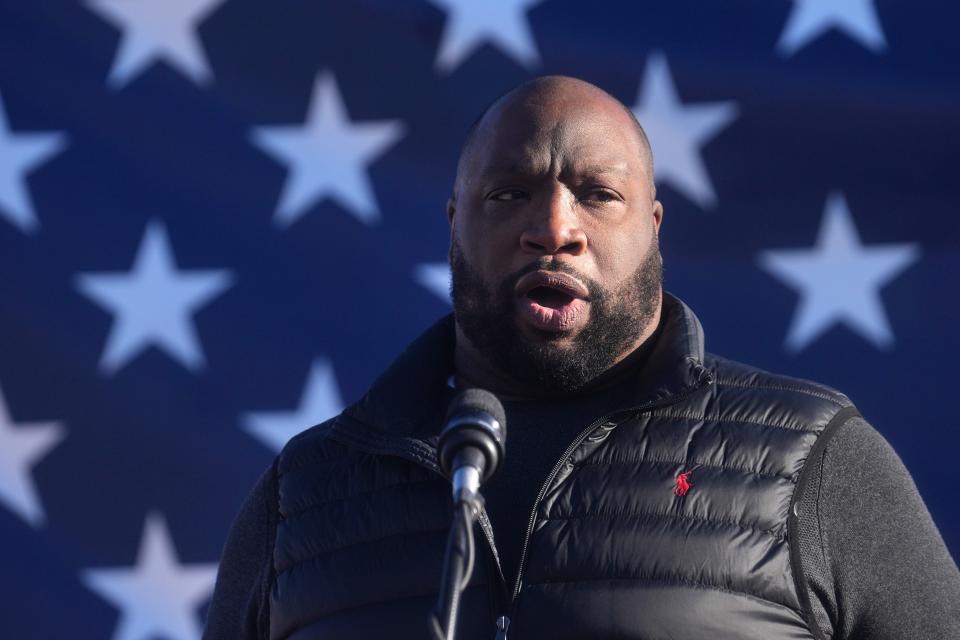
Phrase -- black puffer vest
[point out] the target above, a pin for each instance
(612, 550)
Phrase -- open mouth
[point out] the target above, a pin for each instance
(552, 301)
(551, 298)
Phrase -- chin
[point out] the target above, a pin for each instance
(544, 336)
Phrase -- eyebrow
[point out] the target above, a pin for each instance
(508, 169)
(620, 169)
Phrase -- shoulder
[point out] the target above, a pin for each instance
(730, 373)
(333, 456)
(312, 446)
(797, 402)
(859, 455)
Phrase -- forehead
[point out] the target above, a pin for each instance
(542, 134)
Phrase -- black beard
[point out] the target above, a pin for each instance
(486, 318)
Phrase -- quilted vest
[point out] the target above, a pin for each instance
(622, 543)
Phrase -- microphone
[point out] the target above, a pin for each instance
(472, 441)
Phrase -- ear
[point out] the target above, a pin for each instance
(657, 216)
(451, 209)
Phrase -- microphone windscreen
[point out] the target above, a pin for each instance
(475, 427)
(477, 400)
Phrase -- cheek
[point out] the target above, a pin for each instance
(619, 254)
(488, 242)
(479, 251)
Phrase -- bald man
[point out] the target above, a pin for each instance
(650, 489)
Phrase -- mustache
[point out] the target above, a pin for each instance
(545, 264)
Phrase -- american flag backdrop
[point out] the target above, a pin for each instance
(220, 219)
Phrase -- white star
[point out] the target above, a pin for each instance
(320, 400)
(20, 153)
(158, 597)
(500, 22)
(328, 156)
(677, 131)
(21, 446)
(839, 279)
(810, 19)
(435, 278)
(157, 31)
(153, 303)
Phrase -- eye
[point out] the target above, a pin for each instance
(601, 195)
(508, 195)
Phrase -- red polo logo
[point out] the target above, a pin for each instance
(683, 482)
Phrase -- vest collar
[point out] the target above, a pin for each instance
(410, 398)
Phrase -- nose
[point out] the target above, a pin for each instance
(554, 228)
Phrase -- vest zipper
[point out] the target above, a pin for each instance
(536, 504)
(503, 623)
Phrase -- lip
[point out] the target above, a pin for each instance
(554, 320)
(554, 280)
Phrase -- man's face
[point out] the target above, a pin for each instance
(554, 253)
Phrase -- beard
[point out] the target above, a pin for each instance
(486, 316)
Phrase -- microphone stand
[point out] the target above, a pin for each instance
(458, 561)
(469, 451)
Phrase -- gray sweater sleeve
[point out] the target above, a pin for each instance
(874, 562)
(239, 609)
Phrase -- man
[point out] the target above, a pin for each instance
(650, 489)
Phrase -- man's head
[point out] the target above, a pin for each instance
(554, 249)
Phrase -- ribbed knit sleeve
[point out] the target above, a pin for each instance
(873, 559)
(240, 606)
